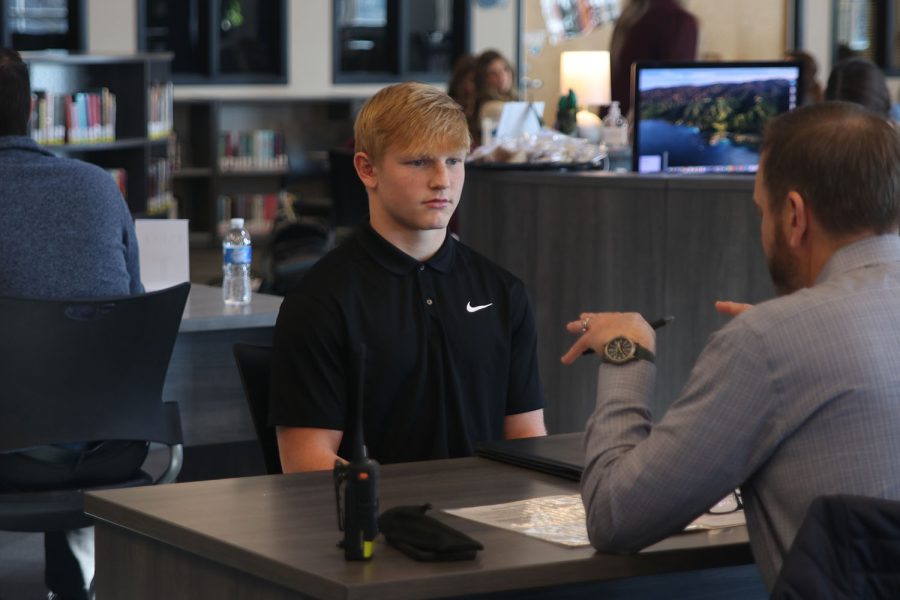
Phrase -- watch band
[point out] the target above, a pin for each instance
(641, 353)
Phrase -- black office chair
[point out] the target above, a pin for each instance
(847, 547)
(349, 200)
(294, 247)
(254, 363)
(85, 370)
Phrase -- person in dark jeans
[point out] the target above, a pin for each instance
(67, 234)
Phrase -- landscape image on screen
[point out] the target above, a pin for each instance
(710, 119)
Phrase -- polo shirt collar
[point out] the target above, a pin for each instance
(396, 261)
(877, 249)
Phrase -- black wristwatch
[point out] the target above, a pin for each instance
(621, 350)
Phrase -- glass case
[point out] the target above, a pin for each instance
(854, 29)
(224, 41)
(42, 24)
(395, 40)
(868, 29)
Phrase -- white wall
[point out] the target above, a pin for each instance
(731, 30)
(495, 28)
(817, 34)
(112, 28)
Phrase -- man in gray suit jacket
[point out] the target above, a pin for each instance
(796, 397)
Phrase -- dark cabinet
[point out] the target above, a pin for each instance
(43, 24)
(217, 41)
(397, 40)
(867, 29)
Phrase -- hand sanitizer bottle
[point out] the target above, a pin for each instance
(615, 127)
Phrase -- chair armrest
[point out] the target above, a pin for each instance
(176, 459)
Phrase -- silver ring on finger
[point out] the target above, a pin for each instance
(586, 324)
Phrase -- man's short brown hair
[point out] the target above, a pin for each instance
(15, 94)
(842, 159)
(410, 116)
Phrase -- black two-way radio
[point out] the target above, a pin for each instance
(356, 486)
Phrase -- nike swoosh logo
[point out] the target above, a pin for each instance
(471, 308)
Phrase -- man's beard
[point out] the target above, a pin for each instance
(783, 266)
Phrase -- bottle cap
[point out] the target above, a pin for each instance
(237, 223)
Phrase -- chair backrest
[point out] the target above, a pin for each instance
(349, 200)
(84, 370)
(294, 247)
(847, 547)
(254, 364)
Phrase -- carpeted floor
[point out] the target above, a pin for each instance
(22, 566)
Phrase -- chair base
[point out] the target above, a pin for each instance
(57, 510)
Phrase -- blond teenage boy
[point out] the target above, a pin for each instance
(450, 336)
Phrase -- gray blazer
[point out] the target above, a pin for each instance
(795, 398)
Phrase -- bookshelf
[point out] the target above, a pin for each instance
(284, 142)
(136, 142)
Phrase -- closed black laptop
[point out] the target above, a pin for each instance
(561, 454)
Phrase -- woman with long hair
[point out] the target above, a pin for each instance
(860, 81)
(462, 89)
(495, 83)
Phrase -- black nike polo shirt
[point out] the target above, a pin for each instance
(451, 349)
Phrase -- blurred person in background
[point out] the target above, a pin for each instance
(462, 89)
(859, 81)
(812, 88)
(649, 30)
(495, 83)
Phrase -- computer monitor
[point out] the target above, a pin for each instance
(707, 117)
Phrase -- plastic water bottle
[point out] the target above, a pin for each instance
(236, 257)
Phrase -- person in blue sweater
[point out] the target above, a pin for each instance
(67, 233)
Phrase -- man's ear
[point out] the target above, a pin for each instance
(366, 170)
(796, 221)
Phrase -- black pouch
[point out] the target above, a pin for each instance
(424, 538)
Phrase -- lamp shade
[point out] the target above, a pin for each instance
(587, 74)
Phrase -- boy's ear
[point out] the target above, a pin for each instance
(366, 170)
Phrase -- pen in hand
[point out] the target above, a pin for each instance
(655, 324)
(661, 322)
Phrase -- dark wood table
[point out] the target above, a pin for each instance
(275, 537)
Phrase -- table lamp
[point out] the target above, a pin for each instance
(587, 74)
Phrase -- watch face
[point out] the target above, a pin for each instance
(619, 350)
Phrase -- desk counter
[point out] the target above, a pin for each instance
(205, 311)
(275, 537)
(654, 244)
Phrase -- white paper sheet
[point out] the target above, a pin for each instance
(518, 118)
(561, 519)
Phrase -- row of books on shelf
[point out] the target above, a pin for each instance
(120, 176)
(160, 200)
(159, 103)
(258, 211)
(257, 150)
(79, 118)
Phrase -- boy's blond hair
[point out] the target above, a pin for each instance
(410, 116)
